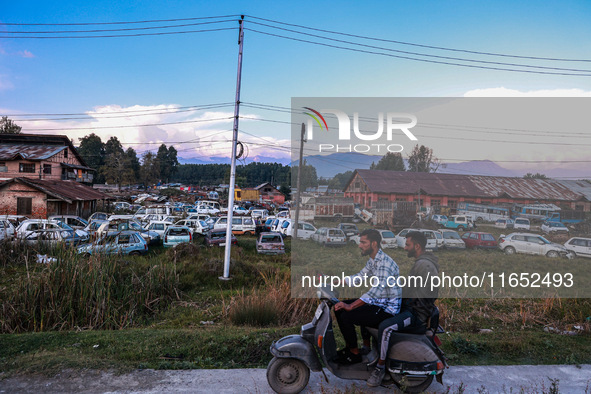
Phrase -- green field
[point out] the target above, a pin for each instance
(169, 310)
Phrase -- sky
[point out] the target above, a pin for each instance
(150, 88)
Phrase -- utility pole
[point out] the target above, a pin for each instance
(234, 148)
(298, 184)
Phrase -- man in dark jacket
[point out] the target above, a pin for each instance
(417, 305)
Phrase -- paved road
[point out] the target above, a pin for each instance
(494, 379)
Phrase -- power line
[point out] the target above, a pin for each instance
(120, 23)
(117, 30)
(422, 45)
(417, 59)
(421, 54)
(128, 114)
(127, 35)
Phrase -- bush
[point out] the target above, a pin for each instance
(272, 304)
(101, 292)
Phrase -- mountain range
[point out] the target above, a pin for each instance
(330, 165)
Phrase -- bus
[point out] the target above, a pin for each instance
(482, 212)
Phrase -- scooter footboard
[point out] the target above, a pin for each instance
(294, 346)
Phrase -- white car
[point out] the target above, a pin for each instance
(531, 244)
(305, 230)
(388, 239)
(31, 225)
(76, 222)
(522, 224)
(452, 240)
(329, 237)
(158, 226)
(197, 226)
(579, 246)
(504, 223)
(429, 234)
(554, 227)
(7, 230)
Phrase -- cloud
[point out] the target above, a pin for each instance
(194, 133)
(505, 92)
(26, 54)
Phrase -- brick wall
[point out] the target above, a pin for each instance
(8, 200)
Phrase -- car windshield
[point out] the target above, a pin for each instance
(270, 239)
(521, 221)
(387, 234)
(348, 227)
(64, 226)
(335, 233)
(218, 235)
(448, 235)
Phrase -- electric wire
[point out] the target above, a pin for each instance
(126, 35)
(420, 45)
(415, 59)
(422, 54)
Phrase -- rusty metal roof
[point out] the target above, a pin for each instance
(29, 151)
(531, 189)
(402, 182)
(68, 191)
(43, 140)
(581, 187)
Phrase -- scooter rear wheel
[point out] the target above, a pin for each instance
(412, 384)
(287, 375)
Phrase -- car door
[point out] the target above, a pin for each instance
(401, 238)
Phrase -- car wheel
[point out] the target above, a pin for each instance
(552, 254)
(461, 228)
(134, 253)
(510, 250)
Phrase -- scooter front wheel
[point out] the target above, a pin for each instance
(412, 384)
(287, 375)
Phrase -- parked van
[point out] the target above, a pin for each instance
(522, 223)
(305, 230)
(240, 225)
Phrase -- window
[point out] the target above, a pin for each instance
(66, 153)
(3, 167)
(24, 206)
(27, 167)
(47, 168)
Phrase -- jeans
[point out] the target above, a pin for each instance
(365, 315)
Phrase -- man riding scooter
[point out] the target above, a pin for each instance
(417, 305)
(378, 304)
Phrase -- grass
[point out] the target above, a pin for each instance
(180, 316)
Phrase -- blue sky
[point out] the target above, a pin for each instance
(105, 75)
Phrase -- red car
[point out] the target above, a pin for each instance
(474, 239)
(218, 237)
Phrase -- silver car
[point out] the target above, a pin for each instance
(329, 237)
(531, 244)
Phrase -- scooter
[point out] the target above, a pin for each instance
(413, 360)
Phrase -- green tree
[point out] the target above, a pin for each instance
(390, 161)
(149, 170)
(537, 175)
(134, 162)
(286, 190)
(421, 159)
(92, 151)
(7, 126)
(113, 146)
(309, 177)
(117, 169)
(339, 181)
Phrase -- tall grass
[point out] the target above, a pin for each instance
(272, 304)
(100, 292)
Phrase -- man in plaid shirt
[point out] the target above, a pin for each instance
(379, 303)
